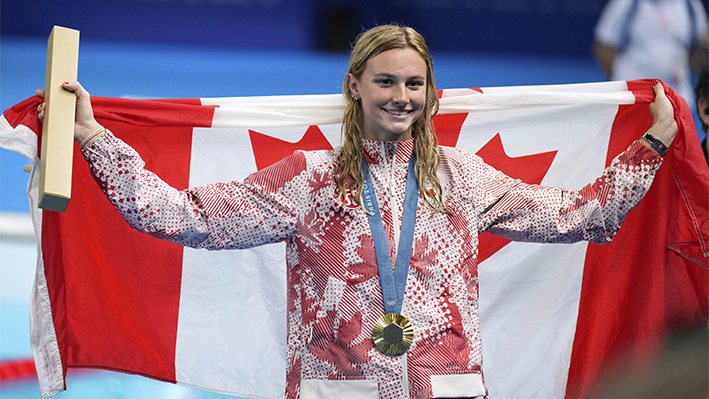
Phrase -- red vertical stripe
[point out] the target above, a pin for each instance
(120, 311)
(634, 289)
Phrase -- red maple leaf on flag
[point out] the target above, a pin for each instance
(269, 150)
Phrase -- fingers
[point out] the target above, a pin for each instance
(40, 108)
(659, 90)
(661, 101)
(76, 88)
(40, 112)
(85, 123)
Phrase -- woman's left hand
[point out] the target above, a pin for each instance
(664, 126)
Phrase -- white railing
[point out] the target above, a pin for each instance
(16, 226)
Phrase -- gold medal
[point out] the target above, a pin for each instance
(393, 334)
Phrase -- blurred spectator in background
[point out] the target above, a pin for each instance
(677, 368)
(656, 39)
(701, 91)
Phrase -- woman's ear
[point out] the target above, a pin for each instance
(703, 110)
(352, 84)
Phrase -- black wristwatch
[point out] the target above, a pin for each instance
(656, 144)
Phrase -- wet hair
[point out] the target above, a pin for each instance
(349, 176)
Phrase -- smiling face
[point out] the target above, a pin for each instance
(392, 90)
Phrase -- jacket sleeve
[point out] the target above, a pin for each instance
(523, 212)
(215, 216)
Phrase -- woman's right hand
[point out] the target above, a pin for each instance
(84, 124)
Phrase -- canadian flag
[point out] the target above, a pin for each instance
(553, 317)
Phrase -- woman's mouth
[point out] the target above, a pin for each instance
(397, 112)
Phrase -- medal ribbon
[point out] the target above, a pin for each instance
(393, 282)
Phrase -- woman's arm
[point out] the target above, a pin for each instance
(215, 216)
(231, 215)
(533, 213)
(527, 212)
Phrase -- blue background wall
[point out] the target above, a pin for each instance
(547, 26)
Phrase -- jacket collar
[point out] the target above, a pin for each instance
(386, 151)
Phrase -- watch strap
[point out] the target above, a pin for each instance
(656, 144)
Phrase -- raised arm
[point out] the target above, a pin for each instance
(525, 212)
(214, 216)
(233, 215)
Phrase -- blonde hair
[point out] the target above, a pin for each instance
(368, 45)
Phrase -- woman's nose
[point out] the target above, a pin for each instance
(401, 96)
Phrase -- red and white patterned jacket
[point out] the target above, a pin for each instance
(334, 295)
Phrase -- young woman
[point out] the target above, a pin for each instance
(382, 232)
